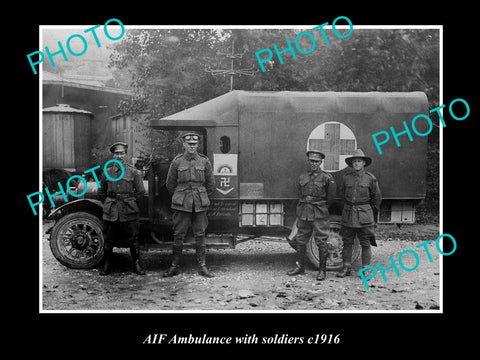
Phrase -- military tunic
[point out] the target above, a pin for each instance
(360, 192)
(190, 182)
(121, 196)
(120, 208)
(317, 191)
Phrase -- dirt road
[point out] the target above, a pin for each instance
(251, 277)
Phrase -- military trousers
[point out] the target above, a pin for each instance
(182, 220)
(318, 227)
(120, 233)
(364, 235)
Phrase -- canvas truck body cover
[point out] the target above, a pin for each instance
(257, 140)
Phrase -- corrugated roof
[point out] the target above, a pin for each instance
(65, 108)
(48, 76)
(86, 83)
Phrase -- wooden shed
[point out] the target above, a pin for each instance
(66, 138)
(133, 130)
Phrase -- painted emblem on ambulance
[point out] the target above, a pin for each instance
(225, 164)
(336, 140)
(225, 173)
(224, 169)
(225, 192)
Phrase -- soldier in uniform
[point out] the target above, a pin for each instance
(120, 208)
(190, 182)
(317, 192)
(361, 196)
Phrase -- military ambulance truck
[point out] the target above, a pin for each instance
(257, 143)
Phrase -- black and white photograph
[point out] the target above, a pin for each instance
(300, 183)
(265, 169)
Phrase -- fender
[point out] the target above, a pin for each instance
(90, 205)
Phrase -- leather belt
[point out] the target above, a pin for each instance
(313, 199)
(357, 203)
(120, 196)
(189, 187)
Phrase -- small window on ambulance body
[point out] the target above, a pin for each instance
(225, 144)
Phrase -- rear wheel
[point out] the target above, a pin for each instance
(335, 247)
(334, 243)
(77, 240)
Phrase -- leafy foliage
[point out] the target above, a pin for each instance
(166, 67)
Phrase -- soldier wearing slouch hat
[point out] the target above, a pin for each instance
(361, 197)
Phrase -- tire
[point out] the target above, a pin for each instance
(335, 246)
(77, 240)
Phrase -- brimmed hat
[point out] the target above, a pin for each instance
(191, 138)
(118, 144)
(358, 154)
(322, 155)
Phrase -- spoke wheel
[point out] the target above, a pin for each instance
(77, 240)
(335, 247)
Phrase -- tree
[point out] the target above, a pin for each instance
(167, 66)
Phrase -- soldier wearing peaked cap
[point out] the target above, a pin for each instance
(361, 196)
(119, 146)
(317, 191)
(121, 213)
(190, 182)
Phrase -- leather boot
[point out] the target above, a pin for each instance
(300, 261)
(347, 258)
(107, 254)
(366, 255)
(175, 267)
(322, 265)
(135, 253)
(202, 268)
(346, 270)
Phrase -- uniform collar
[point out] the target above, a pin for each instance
(189, 156)
(115, 168)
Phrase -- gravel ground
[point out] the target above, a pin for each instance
(251, 277)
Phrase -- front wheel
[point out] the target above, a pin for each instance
(77, 240)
